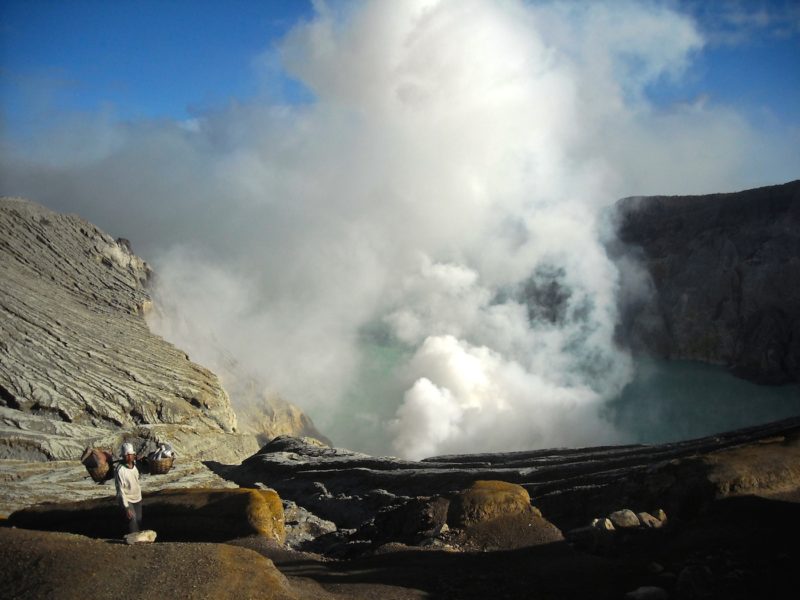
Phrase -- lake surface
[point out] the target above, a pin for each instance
(667, 401)
(676, 400)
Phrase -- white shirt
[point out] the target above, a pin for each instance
(127, 482)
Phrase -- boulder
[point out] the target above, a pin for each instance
(486, 500)
(647, 592)
(624, 519)
(412, 522)
(603, 524)
(648, 520)
(505, 532)
(220, 514)
(147, 536)
(497, 515)
(302, 526)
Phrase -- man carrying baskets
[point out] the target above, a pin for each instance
(129, 492)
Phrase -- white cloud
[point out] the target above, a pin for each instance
(453, 164)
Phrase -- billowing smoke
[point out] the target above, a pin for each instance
(414, 255)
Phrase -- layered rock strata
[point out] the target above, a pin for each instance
(722, 279)
(78, 361)
(79, 365)
(570, 486)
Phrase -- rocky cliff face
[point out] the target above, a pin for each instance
(79, 365)
(723, 273)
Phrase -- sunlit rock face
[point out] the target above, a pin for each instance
(721, 280)
(79, 364)
(79, 361)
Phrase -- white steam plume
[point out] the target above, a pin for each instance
(419, 248)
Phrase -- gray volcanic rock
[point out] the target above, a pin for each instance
(303, 526)
(78, 361)
(570, 486)
(265, 416)
(80, 366)
(724, 273)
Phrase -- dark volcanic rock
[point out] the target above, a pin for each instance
(570, 486)
(725, 276)
(200, 515)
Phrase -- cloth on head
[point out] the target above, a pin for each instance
(126, 449)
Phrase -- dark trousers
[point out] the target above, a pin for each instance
(136, 522)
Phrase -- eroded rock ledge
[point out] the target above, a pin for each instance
(570, 486)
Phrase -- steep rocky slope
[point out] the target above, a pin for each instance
(724, 278)
(79, 365)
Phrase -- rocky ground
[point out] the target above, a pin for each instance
(745, 548)
(453, 527)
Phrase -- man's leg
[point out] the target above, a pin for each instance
(135, 522)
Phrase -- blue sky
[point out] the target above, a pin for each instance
(141, 59)
(178, 58)
(752, 57)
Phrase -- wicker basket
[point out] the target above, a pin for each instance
(160, 466)
(99, 473)
(98, 463)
